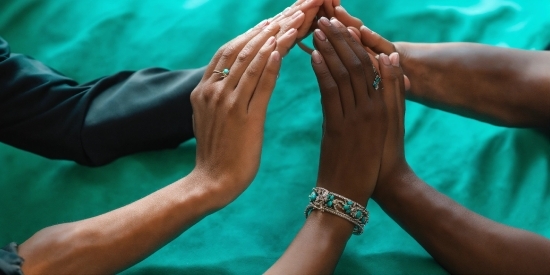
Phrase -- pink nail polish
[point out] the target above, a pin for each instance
(324, 21)
(320, 34)
(276, 56)
(316, 57)
(385, 59)
(270, 41)
(394, 58)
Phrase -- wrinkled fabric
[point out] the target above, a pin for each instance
(10, 262)
(47, 113)
(498, 172)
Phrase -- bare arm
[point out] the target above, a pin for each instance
(353, 134)
(459, 239)
(229, 115)
(506, 87)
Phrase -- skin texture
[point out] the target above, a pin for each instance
(460, 240)
(354, 130)
(506, 87)
(229, 117)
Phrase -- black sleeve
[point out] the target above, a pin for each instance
(46, 113)
(10, 262)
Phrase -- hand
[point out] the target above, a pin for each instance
(355, 120)
(229, 112)
(299, 16)
(394, 163)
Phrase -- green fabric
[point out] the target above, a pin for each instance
(500, 173)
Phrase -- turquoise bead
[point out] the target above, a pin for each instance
(347, 208)
(350, 203)
(225, 71)
(358, 214)
(330, 197)
(309, 212)
(363, 220)
(312, 196)
(329, 203)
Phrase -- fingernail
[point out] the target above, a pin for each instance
(365, 28)
(317, 58)
(324, 21)
(385, 59)
(290, 32)
(263, 23)
(341, 7)
(377, 57)
(320, 34)
(335, 22)
(285, 12)
(270, 41)
(296, 14)
(394, 58)
(276, 56)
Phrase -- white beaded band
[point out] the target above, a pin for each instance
(324, 200)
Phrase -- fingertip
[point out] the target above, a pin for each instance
(316, 57)
(275, 56)
(394, 59)
(354, 34)
(385, 59)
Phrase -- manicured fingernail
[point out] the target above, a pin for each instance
(352, 34)
(263, 23)
(276, 56)
(320, 34)
(335, 22)
(266, 24)
(291, 32)
(296, 14)
(324, 21)
(317, 58)
(394, 58)
(377, 57)
(385, 59)
(341, 7)
(270, 41)
(365, 29)
(285, 12)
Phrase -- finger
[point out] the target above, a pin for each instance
(234, 45)
(330, 96)
(337, 69)
(252, 74)
(357, 36)
(353, 56)
(291, 23)
(361, 72)
(305, 48)
(391, 77)
(343, 16)
(400, 95)
(286, 42)
(237, 62)
(376, 42)
(328, 8)
(264, 89)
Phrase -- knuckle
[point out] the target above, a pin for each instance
(229, 51)
(342, 75)
(244, 55)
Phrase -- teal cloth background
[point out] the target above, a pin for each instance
(498, 172)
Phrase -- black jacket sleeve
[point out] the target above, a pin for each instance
(46, 113)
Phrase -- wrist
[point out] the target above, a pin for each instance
(331, 228)
(392, 181)
(212, 192)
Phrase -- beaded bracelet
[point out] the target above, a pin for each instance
(324, 200)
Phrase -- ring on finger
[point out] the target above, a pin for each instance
(223, 73)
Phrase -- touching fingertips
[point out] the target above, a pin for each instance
(385, 59)
(365, 29)
(336, 23)
(394, 58)
(320, 35)
(316, 57)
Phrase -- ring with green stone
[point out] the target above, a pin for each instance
(223, 73)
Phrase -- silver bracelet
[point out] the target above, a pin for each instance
(324, 200)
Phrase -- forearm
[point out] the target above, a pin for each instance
(460, 240)
(113, 241)
(502, 86)
(317, 247)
